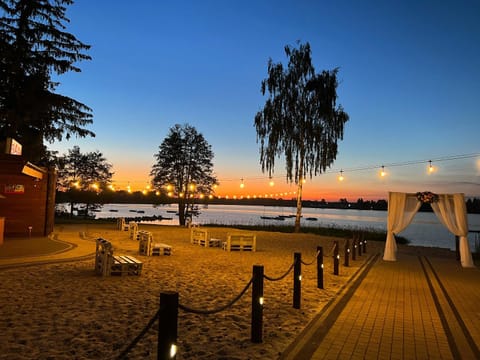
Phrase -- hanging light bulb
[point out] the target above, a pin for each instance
(242, 185)
(340, 177)
(272, 183)
(383, 173)
(431, 169)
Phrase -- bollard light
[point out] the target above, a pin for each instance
(173, 351)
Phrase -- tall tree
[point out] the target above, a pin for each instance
(300, 119)
(82, 176)
(34, 46)
(184, 169)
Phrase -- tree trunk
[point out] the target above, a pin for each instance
(299, 206)
(181, 213)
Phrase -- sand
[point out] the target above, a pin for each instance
(65, 311)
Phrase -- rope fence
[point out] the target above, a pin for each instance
(167, 314)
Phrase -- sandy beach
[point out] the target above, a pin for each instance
(65, 311)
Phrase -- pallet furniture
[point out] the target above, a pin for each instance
(199, 236)
(146, 245)
(133, 229)
(107, 264)
(121, 224)
(240, 242)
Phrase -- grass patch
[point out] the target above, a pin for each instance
(370, 234)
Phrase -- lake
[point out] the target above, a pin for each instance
(425, 230)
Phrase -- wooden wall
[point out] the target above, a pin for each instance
(33, 205)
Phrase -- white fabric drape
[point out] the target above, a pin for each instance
(402, 208)
(452, 212)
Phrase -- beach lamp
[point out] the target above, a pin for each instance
(173, 351)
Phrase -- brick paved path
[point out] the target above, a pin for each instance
(414, 308)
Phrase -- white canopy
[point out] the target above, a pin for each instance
(449, 208)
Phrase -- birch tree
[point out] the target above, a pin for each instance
(300, 119)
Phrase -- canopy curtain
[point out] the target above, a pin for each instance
(450, 209)
(452, 212)
(402, 208)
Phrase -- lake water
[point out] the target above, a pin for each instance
(425, 230)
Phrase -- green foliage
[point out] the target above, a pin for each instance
(370, 234)
(33, 47)
(300, 120)
(184, 168)
(81, 177)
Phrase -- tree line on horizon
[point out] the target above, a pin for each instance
(138, 197)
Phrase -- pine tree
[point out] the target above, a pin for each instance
(34, 46)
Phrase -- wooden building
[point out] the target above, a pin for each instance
(27, 197)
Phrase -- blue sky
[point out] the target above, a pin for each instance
(409, 80)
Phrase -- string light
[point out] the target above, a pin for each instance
(430, 167)
(383, 173)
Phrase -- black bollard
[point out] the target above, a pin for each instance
(354, 247)
(257, 304)
(297, 280)
(360, 244)
(347, 253)
(167, 326)
(319, 267)
(364, 243)
(336, 258)
(457, 247)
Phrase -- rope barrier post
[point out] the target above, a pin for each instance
(354, 246)
(364, 243)
(360, 244)
(457, 247)
(167, 326)
(347, 253)
(320, 267)
(336, 258)
(297, 279)
(257, 304)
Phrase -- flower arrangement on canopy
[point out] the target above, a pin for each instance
(427, 197)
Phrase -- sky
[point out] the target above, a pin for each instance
(409, 79)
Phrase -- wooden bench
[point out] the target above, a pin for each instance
(199, 236)
(148, 247)
(121, 224)
(133, 229)
(240, 242)
(107, 264)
